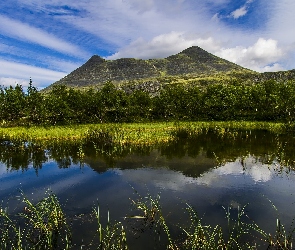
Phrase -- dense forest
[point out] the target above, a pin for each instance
(265, 101)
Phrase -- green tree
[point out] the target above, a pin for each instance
(12, 104)
(140, 105)
(34, 109)
(57, 108)
(113, 104)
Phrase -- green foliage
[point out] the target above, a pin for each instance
(34, 108)
(12, 104)
(140, 104)
(225, 100)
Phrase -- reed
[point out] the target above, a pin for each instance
(133, 133)
(11, 234)
(43, 226)
(241, 231)
(112, 235)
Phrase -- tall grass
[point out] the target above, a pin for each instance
(43, 226)
(136, 133)
(112, 235)
(241, 231)
(40, 226)
(113, 141)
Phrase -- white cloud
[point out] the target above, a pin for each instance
(257, 57)
(8, 81)
(160, 178)
(220, 177)
(26, 32)
(62, 65)
(164, 45)
(258, 172)
(262, 56)
(153, 29)
(242, 11)
(142, 6)
(21, 73)
(239, 12)
(280, 26)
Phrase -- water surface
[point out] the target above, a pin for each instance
(210, 172)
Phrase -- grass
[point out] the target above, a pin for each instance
(135, 133)
(40, 226)
(241, 231)
(112, 236)
(44, 226)
(111, 142)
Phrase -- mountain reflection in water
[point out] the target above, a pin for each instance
(207, 171)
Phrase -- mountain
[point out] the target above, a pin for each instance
(192, 65)
(278, 76)
(192, 62)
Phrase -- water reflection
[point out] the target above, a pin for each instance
(192, 155)
(207, 170)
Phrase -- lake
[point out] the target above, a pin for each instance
(213, 173)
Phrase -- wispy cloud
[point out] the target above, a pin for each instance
(61, 34)
(8, 81)
(7, 48)
(25, 32)
(50, 62)
(239, 12)
(121, 22)
(281, 21)
(23, 72)
(242, 11)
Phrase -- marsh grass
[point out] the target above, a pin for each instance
(40, 226)
(73, 144)
(112, 235)
(241, 231)
(282, 238)
(11, 234)
(43, 226)
(152, 215)
(133, 133)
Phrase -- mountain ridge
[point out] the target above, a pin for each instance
(193, 62)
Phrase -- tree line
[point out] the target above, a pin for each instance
(264, 101)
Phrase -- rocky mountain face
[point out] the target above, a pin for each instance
(193, 61)
(189, 66)
(278, 76)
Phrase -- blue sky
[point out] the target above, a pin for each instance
(48, 39)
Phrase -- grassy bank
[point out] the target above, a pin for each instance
(132, 133)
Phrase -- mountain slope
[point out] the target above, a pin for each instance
(193, 62)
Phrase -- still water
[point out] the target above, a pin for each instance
(210, 172)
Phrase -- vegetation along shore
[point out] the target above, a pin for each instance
(271, 101)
